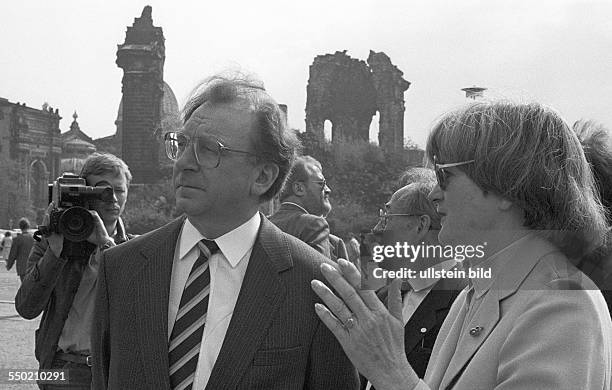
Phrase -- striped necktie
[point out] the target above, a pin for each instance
(186, 337)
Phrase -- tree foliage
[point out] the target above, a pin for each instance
(362, 178)
(149, 206)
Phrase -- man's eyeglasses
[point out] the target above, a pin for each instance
(383, 217)
(441, 173)
(322, 183)
(207, 150)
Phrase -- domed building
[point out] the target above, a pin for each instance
(76, 146)
(169, 113)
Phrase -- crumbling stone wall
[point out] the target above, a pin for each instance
(348, 92)
(390, 87)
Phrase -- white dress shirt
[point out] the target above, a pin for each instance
(227, 270)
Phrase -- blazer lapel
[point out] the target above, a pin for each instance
(486, 318)
(261, 294)
(151, 289)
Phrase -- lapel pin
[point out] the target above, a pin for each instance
(423, 330)
(476, 331)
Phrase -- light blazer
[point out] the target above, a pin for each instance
(540, 328)
(309, 228)
(274, 340)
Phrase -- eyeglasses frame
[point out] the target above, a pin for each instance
(221, 147)
(441, 174)
(383, 217)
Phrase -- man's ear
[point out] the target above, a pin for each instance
(299, 189)
(266, 176)
(424, 224)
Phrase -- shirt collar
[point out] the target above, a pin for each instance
(419, 284)
(233, 244)
(296, 205)
(120, 235)
(495, 262)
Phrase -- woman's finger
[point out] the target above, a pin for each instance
(353, 277)
(335, 304)
(346, 291)
(332, 323)
(395, 299)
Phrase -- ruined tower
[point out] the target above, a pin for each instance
(141, 57)
(390, 87)
(348, 92)
(340, 89)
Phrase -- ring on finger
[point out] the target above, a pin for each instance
(350, 323)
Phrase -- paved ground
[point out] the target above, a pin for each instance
(16, 334)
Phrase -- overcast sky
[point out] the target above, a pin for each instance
(558, 52)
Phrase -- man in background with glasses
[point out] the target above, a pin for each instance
(304, 199)
(219, 298)
(410, 217)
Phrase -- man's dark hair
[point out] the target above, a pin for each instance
(24, 224)
(298, 173)
(272, 141)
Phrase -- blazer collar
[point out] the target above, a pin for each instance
(517, 263)
(288, 206)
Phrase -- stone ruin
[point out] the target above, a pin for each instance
(348, 92)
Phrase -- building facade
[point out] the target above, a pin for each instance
(30, 154)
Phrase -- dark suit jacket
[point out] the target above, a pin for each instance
(422, 328)
(22, 245)
(274, 340)
(309, 228)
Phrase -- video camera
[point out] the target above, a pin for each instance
(72, 198)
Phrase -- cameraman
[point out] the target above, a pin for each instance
(64, 289)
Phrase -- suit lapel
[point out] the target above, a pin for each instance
(518, 262)
(486, 318)
(261, 294)
(151, 289)
(425, 316)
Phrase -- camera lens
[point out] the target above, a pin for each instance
(76, 224)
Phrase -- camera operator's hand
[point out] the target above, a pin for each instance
(100, 235)
(55, 240)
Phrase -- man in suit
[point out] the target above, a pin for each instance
(61, 281)
(515, 193)
(337, 247)
(304, 199)
(219, 298)
(410, 217)
(20, 249)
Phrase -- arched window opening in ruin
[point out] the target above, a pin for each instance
(327, 130)
(374, 128)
